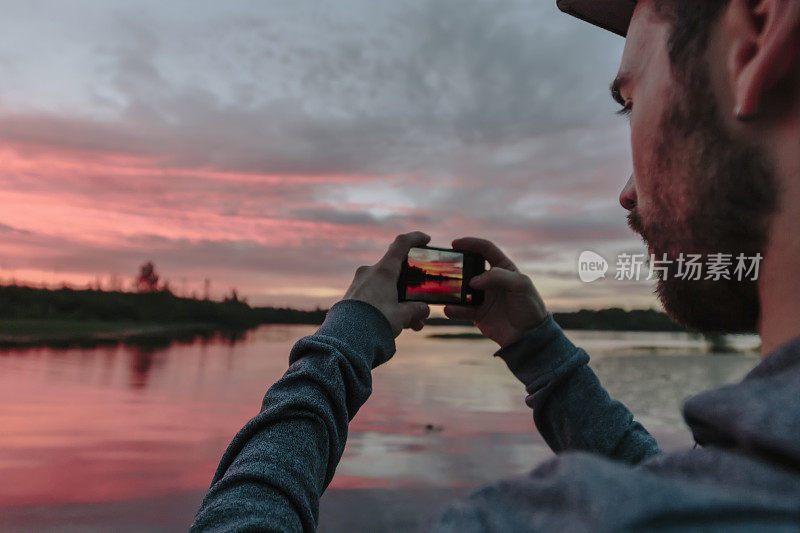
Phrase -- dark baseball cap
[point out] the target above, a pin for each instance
(611, 15)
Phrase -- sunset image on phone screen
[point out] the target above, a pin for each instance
(434, 275)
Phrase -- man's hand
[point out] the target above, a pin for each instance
(512, 305)
(377, 285)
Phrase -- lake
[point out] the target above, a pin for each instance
(129, 438)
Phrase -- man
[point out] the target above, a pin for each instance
(713, 92)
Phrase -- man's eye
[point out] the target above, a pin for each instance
(626, 110)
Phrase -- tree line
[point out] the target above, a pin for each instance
(152, 302)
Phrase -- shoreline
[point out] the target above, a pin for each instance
(30, 333)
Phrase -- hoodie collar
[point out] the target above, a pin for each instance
(759, 415)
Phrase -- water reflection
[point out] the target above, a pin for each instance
(447, 288)
(133, 420)
(142, 352)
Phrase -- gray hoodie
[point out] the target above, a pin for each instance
(609, 474)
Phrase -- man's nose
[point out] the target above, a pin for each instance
(627, 198)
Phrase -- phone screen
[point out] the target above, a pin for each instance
(434, 274)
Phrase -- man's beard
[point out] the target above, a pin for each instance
(730, 191)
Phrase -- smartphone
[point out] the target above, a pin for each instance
(440, 276)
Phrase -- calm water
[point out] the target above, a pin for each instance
(118, 423)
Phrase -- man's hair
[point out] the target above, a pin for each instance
(691, 23)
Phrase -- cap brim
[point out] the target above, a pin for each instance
(611, 15)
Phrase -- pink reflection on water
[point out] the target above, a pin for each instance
(121, 422)
(437, 287)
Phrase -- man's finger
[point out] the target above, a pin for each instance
(415, 312)
(487, 249)
(398, 250)
(499, 279)
(460, 312)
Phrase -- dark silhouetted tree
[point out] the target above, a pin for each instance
(148, 279)
(234, 297)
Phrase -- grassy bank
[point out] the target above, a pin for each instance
(59, 332)
(33, 316)
(159, 307)
(456, 336)
(30, 316)
(612, 319)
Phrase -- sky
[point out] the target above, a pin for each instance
(437, 263)
(274, 146)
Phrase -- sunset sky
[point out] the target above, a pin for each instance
(437, 263)
(275, 146)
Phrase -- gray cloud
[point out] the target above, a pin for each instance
(488, 117)
(358, 218)
(396, 93)
(4, 228)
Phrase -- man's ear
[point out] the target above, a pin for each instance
(764, 49)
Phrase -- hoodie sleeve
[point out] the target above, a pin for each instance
(274, 471)
(571, 409)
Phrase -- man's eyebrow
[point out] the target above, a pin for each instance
(616, 87)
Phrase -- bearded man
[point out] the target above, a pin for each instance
(712, 88)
